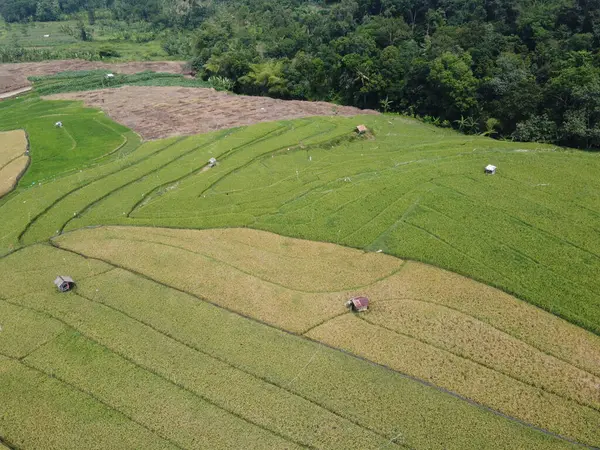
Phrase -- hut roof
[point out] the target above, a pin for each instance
(63, 279)
(360, 302)
(490, 167)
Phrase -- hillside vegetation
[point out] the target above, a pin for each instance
(513, 68)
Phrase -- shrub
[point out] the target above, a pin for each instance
(221, 83)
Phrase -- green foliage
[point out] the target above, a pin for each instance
(221, 83)
(454, 86)
(265, 79)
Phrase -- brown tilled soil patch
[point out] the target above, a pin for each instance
(14, 76)
(158, 112)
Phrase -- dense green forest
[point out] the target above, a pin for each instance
(522, 69)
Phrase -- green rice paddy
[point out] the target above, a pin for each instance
(121, 370)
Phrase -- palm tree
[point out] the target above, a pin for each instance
(462, 123)
(385, 104)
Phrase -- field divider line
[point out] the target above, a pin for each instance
(282, 129)
(12, 160)
(478, 319)
(553, 236)
(276, 132)
(43, 344)
(527, 224)
(139, 366)
(74, 387)
(62, 197)
(179, 179)
(405, 214)
(250, 274)
(351, 354)
(272, 152)
(8, 444)
(322, 322)
(129, 183)
(236, 367)
(116, 149)
(461, 252)
(518, 380)
(74, 145)
(407, 211)
(320, 185)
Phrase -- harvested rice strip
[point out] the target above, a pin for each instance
(22, 331)
(10, 173)
(464, 377)
(544, 331)
(39, 411)
(12, 144)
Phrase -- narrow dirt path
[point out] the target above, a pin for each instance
(10, 94)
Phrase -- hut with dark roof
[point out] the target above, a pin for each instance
(64, 283)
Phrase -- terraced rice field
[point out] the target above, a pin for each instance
(86, 135)
(13, 160)
(190, 327)
(169, 363)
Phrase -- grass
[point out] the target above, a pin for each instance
(85, 136)
(128, 352)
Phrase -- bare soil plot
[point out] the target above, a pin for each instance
(13, 160)
(157, 112)
(14, 76)
(428, 323)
